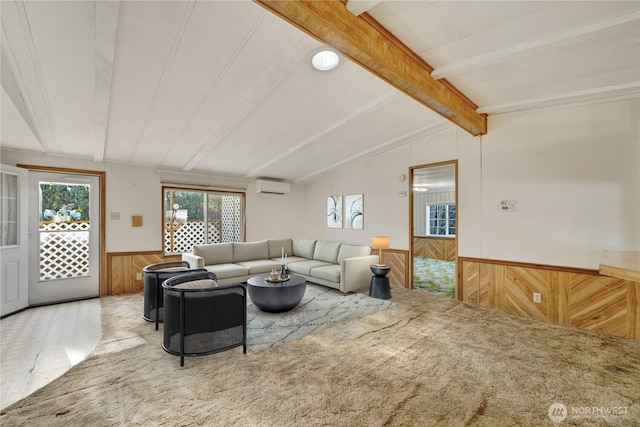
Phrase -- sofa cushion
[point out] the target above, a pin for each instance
(290, 259)
(216, 253)
(352, 251)
(276, 245)
(197, 284)
(303, 248)
(260, 266)
(328, 272)
(225, 271)
(248, 251)
(326, 251)
(305, 267)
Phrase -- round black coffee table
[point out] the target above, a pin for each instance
(276, 297)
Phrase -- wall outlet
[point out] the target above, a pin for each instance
(537, 297)
(138, 276)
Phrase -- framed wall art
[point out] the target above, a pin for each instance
(354, 211)
(334, 211)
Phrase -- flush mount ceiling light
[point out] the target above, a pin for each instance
(325, 59)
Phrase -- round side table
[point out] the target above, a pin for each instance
(380, 287)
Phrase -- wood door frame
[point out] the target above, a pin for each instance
(411, 170)
(103, 209)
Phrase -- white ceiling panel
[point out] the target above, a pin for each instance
(14, 131)
(227, 87)
(63, 39)
(430, 25)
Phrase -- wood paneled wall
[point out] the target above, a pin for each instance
(398, 260)
(122, 268)
(435, 247)
(577, 297)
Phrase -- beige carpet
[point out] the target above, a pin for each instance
(427, 360)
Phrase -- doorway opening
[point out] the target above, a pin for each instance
(434, 227)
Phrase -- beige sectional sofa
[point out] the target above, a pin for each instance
(333, 264)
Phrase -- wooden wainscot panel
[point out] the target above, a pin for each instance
(599, 303)
(435, 247)
(118, 271)
(492, 282)
(560, 292)
(633, 308)
(470, 292)
(578, 297)
(520, 285)
(398, 260)
(123, 268)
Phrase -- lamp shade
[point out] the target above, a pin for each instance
(380, 242)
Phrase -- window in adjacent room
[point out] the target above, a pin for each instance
(195, 217)
(441, 220)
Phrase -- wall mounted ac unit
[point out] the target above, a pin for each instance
(272, 187)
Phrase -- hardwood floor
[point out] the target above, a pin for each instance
(40, 344)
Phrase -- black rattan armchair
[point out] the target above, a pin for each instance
(203, 318)
(154, 275)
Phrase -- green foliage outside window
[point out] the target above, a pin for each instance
(66, 202)
(441, 220)
(191, 201)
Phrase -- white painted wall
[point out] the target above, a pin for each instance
(133, 190)
(574, 172)
(272, 216)
(385, 212)
(137, 190)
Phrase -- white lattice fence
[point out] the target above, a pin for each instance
(64, 250)
(231, 219)
(188, 234)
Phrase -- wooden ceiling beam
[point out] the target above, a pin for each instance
(367, 43)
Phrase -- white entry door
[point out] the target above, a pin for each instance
(64, 243)
(14, 284)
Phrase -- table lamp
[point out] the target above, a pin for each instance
(380, 243)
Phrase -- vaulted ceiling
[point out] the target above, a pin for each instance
(227, 87)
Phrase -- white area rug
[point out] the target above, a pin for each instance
(319, 309)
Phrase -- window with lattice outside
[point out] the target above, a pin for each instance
(195, 217)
